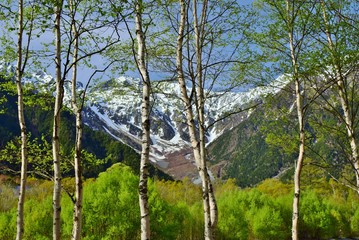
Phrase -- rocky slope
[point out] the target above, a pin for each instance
(113, 106)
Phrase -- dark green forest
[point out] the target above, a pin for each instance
(265, 144)
(100, 149)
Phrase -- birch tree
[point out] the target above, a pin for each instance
(20, 68)
(198, 145)
(145, 122)
(19, 73)
(197, 62)
(140, 56)
(300, 113)
(339, 30)
(289, 38)
(56, 127)
(77, 221)
(212, 43)
(86, 26)
(200, 162)
(96, 24)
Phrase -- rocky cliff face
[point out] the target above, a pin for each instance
(114, 107)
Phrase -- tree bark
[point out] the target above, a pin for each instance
(212, 205)
(299, 164)
(56, 126)
(340, 80)
(300, 115)
(77, 217)
(145, 118)
(198, 146)
(199, 32)
(24, 158)
(77, 221)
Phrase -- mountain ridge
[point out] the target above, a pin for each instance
(117, 107)
(113, 106)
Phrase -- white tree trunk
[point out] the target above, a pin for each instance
(199, 32)
(145, 118)
(24, 160)
(77, 217)
(299, 164)
(349, 125)
(56, 128)
(212, 205)
(343, 100)
(300, 115)
(198, 146)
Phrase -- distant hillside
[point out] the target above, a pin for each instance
(250, 146)
(265, 144)
(244, 153)
(113, 107)
(39, 120)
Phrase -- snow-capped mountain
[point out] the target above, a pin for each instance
(114, 106)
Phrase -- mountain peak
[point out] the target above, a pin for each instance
(128, 81)
(114, 106)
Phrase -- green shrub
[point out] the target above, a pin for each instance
(8, 224)
(316, 218)
(111, 205)
(355, 222)
(38, 219)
